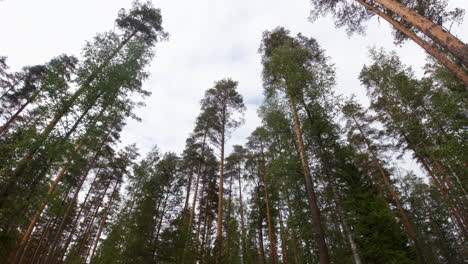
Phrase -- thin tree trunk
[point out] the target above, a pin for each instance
(195, 195)
(271, 233)
(103, 221)
(38, 247)
(449, 42)
(261, 248)
(406, 223)
(91, 222)
(284, 248)
(189, 187)
(77, 218)
(241, 209)
(10, 121)
(161, 218)
(197, 236)
(455, 69)
(219, 234)
(293, 232)
(344, 223)
(228, 223)
(69, 208)
(313, 207)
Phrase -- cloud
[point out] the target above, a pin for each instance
(209, 40)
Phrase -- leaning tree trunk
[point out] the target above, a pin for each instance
(437, 54)
(12, 119)
(103, 221)
(313, 207)
(449, 42)
(406, 223)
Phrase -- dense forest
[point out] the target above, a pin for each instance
(315, 182)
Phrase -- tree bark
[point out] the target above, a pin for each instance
(449, 42)
(437, 54)
(313, 207)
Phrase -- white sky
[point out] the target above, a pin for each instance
(209, 40)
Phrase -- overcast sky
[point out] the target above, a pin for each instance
(209, 40)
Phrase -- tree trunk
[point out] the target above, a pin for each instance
(271, 233)
(228, 223)
(449, 42)
(406, 223)
(345, 225)
(219, 234)
(43, 235)
(293, 232)
(194, 201)
(189, 187)
(284, 248)
(261, 248)
(86, 234)
(10, 121)
(103, 221)
(313, 207)
(455, 69)
(241, 209)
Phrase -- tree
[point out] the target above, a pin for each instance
(417, 20)
(285, 64)
(224, 102)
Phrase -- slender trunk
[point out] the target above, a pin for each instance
(38, 247)
(161, 218)
(406, 223)
(437, 54)
(449, 42)
(69, 208)
(284, 248)
(74, 224)
(10, 121)
(435, 179)
(293, 232)
(241, 209)
(261, 248)
(228, 223)
(313, 207)
(219, 234)
(205, 228)
(86, 234)
(189, 187)
(103, 221)
(345, 225)
(271, 233)
(197, 236)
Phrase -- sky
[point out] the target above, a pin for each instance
(209, 40)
